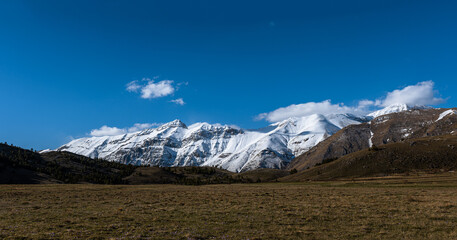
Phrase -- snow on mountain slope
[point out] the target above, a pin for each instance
(394, 108)
(390, 109)
(234, 149)
(445, 113)
(203, 144)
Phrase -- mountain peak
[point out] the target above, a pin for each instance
(398, 107)
(173, 124)
(394, 108)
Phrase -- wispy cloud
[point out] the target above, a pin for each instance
(178, 101)
(182, 83)
(133, 86)
(112, 131)
(422, 93)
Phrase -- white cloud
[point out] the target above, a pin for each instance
(150, 89)
(156, 90)
(112, 131)
(363, 104)
(420, 94)
(305, 109)
(107, 131)
(178, 101)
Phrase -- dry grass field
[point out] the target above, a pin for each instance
(411, 207)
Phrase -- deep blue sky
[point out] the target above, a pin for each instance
(64, 65)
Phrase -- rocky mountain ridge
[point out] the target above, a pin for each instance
(203, 144)
(384, 129)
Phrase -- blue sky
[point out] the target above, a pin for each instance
(65, 66)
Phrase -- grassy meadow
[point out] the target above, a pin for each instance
(386, 208)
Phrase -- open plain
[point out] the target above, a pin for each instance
(398, 207)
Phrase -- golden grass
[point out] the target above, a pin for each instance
(392, 209)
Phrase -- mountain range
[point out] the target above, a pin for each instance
(293, 143)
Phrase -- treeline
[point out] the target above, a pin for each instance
(193, 175)
(64, 166)
(206, 175)
(327, 160)
(192, 170)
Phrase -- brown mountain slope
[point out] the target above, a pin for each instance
(430, 154)
(395, 127)
(19, 166)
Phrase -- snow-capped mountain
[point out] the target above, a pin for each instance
(394, 108)
(203, 144)
(234, 149)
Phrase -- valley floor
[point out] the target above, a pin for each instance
(393, 208)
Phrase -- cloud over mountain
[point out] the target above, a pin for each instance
(112, 131)
(107, 131)
(305, 109)
(422, 93)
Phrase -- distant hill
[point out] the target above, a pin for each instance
(18, 165)
(430, 154)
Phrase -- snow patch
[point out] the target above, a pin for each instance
(45, 151)
(370, 141)
(445, 113)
